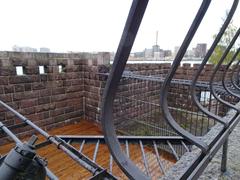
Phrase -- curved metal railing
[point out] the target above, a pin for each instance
(237, 69)
(133, 22)
(129, 33)
(226, 87)
(169, 77)
(212, 89)
(204, 62)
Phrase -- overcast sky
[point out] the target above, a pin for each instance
(96, 25)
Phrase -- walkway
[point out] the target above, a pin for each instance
(65, 168)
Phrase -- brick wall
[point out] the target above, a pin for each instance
(55, 99)
(138, 100)
(50, 99)
(140, 87)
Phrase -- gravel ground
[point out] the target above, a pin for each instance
(233, 163)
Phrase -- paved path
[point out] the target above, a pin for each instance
(233, 166)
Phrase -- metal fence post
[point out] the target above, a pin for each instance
(224, 156)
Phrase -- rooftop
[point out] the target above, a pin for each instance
(65, 168)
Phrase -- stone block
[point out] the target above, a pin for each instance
(56, 91)
(8, 89)
(6, 97)
(44, 100)
(19, 88)
(57, 98)
(7, 71)
(38, 85)
(28, 103)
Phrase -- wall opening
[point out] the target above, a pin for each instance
(20, 70)
(42, 69)
(61, 68)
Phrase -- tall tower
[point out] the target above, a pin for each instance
(156, 38)
(156, 48)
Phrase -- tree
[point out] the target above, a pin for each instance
(223, 43)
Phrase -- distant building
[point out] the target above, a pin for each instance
(201, 50)
(155, 48)
(156, 55)
(139, 54)
(175, 51)
(44, 49)
(190, 53)
(16, 48)
(156, 52)
(23, 49)
(167, 53)
(148, 53)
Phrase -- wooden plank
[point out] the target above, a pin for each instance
(65, 168)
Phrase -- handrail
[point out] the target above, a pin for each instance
(225, 74)
(164, 91)
(125, 45)
(237, 75)
(86, 163)
(204, 62)
(9, 133)
(212, 89)
(232, 75)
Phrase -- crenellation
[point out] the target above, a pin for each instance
(54, 99)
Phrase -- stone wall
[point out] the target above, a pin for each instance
(50, 99)
(137, 100)
(57, 98)
(143, 87)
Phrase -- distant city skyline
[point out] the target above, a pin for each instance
(80, 26)
(30, 49)
(156, 53)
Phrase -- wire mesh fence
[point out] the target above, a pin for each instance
(137, 108)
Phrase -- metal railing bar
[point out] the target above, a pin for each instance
(224, 156)
(237, 75)
(81, 159)
(173, 150)
(158, 158)
(25, 120)
(42, 144)
(185, 146)
(205, 60)
(225, 73)
(152, 126)
(158, 105)
(69, 150)
(212, 89)
(50, 174)
(15, 126)
(122, 139)
(144, 158)
(111, 164)
(196, 171)
(161, 80)
(164, 90)
(9, 133)
(95, 151)
(127, 148)
(125, 45)
(82, 145)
